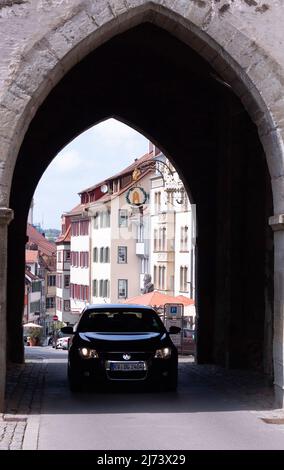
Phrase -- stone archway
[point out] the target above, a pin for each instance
(65, 38)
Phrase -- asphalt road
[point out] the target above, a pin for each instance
(200, 415)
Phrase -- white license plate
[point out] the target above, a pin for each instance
(126, 366)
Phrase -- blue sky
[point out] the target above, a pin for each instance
(96, 154)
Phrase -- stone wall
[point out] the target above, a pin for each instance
(242, 40)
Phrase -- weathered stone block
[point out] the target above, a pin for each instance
(101, 12)
(274, 149)
(278, 194)
(36, 67)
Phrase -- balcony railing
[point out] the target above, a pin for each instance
(165, 257)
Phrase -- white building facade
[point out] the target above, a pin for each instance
(80, 274)
(33, 298)
(172, 233)
(134, 223)
(63, 305)
(120, 237)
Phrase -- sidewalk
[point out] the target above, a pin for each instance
(24, 389)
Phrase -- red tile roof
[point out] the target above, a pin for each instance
(125, 171)
(78, 210)
(130, 168)
(31, 256)
(65, 237)
(44, 246)
(31, 275)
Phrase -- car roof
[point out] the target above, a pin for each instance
(116, 306)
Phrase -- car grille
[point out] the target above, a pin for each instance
(118, 355)
(123, 375)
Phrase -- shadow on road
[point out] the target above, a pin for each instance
(203, 388)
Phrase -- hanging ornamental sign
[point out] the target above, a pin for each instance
(136, 196)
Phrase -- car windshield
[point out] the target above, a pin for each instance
(119, 321)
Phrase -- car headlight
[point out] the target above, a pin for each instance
(163, 353)
(87, 353)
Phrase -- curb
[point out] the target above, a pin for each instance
(30, 441)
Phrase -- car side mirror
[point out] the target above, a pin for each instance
(67, 330)
(174, 330)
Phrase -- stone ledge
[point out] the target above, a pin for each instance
(6, 215)
(276, 222)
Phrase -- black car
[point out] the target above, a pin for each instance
(121, 343)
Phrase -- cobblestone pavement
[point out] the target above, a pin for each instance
(24, 387)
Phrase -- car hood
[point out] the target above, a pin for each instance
(137, 340)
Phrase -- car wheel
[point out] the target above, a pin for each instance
(75, 384)
(172, 380)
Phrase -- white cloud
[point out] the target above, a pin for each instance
(96, 154)
(67, 160)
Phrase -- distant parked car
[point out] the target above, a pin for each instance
(62, 343)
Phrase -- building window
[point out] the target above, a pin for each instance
(35, 307)
(122, 254)
(95, 255)
(102, 221)
(155, 239)
(106, 288)
(155, 276)
(162, 277)
(157, 201)
(101, 288)
(170, 198)
(108, 218)
(163, 239)
(184, 238)
(51, 280)
(67, 255)
(122, 217)
(107, 254)
(183, 279)
(50, 302)
(84, 259)
(186, 201)
(59, 281)
(84, 227)
(67, 281)
(59, 304)
(74, 258)
(67, 305)
(75, 229)
(95, 288)
(96, 220)
(101, 255)
(122, 288)
(59, 256)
